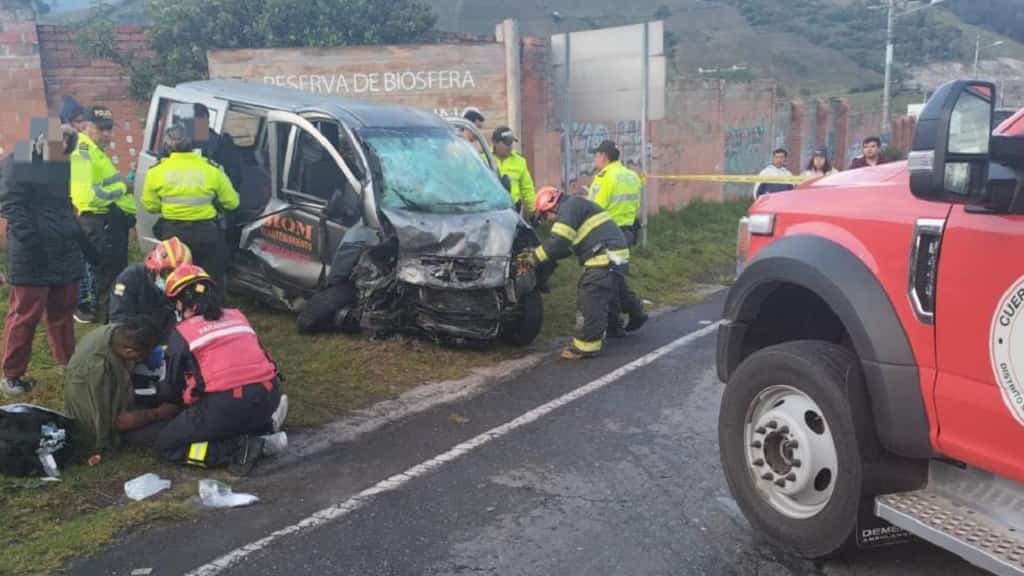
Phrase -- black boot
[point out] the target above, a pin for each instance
(248, 451)
(636, 322)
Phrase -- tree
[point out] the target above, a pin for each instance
(184, 30)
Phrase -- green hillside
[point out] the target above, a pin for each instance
(819, 47)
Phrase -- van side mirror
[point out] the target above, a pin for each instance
(949, 159)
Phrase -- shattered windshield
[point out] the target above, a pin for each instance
(431, 170)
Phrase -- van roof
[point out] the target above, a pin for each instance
(356, 113)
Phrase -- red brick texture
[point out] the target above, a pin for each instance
(21, 80)
(66, 71)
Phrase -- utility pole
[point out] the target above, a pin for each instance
(887, 90)
(568, 112)
(977, 52)
(644, 95)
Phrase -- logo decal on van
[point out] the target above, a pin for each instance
(1007, 349)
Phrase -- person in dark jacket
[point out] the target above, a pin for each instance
(584, 228)
(138, 289)
(44, 251)
(218, 147)
(72, 116)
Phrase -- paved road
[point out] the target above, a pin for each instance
(624, 479)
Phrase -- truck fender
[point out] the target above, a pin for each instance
(861, 304)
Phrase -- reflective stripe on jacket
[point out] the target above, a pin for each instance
(185, 185)
(96, 183)
(584, 228)
(617, 189)
(227, 352)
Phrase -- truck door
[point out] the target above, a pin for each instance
(293, 239)
(979, 316)
(166, 105)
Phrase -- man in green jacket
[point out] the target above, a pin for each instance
(513, 166)
(97, 384)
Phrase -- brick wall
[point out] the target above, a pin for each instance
(66, 71)
(21, 81)
(540, 144)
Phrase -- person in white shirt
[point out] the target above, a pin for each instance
(776, 168)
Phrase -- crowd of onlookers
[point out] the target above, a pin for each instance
(819, 166)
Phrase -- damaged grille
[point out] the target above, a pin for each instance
(461, 303)
(474, 314)
(454, 270)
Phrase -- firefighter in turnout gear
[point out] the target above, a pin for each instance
(616, 188)
(106, 208)
(227, 380)
(582, 227)
(186, 190)
(139, 288)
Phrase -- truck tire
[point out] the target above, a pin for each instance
(528, 323)
(795, 430)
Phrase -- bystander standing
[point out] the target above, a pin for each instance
(44, 257)
(871, 154)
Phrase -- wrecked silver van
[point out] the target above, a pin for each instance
(451, 262)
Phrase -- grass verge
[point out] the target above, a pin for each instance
(43, 525)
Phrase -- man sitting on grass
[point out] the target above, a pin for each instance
(98, 390)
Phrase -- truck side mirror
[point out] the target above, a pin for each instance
(949, 160)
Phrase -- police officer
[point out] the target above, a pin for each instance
(582, 227)
(187, 190)
(616, 188)
(513, 166)
(228, 382)
(106, 208)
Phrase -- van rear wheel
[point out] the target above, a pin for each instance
(795, 430)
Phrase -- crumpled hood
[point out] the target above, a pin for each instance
(454, 250)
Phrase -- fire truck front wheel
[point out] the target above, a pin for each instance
(794, 429)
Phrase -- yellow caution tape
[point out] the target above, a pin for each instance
(729, 178)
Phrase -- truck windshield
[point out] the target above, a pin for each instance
(431, 170)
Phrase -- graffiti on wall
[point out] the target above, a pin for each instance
(746, 152)
(587, 136)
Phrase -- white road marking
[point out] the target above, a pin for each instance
(399, 480)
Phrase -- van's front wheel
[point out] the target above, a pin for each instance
(526, 326)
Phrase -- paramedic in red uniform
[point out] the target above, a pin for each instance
(228, 382)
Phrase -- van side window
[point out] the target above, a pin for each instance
(313, 173)
(169, 112)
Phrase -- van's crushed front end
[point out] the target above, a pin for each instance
(457, 278)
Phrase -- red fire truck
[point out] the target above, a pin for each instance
(873, 367)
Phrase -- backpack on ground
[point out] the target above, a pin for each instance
(33, 441)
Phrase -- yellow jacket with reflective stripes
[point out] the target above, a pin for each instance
(514, 166)
(584, 228)
(95, 182)
(184, 186)
(617, 189)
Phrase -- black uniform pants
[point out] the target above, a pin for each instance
(625, 300)
(109, 236)
(208, 433)
(207, 242)
(595, 291)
